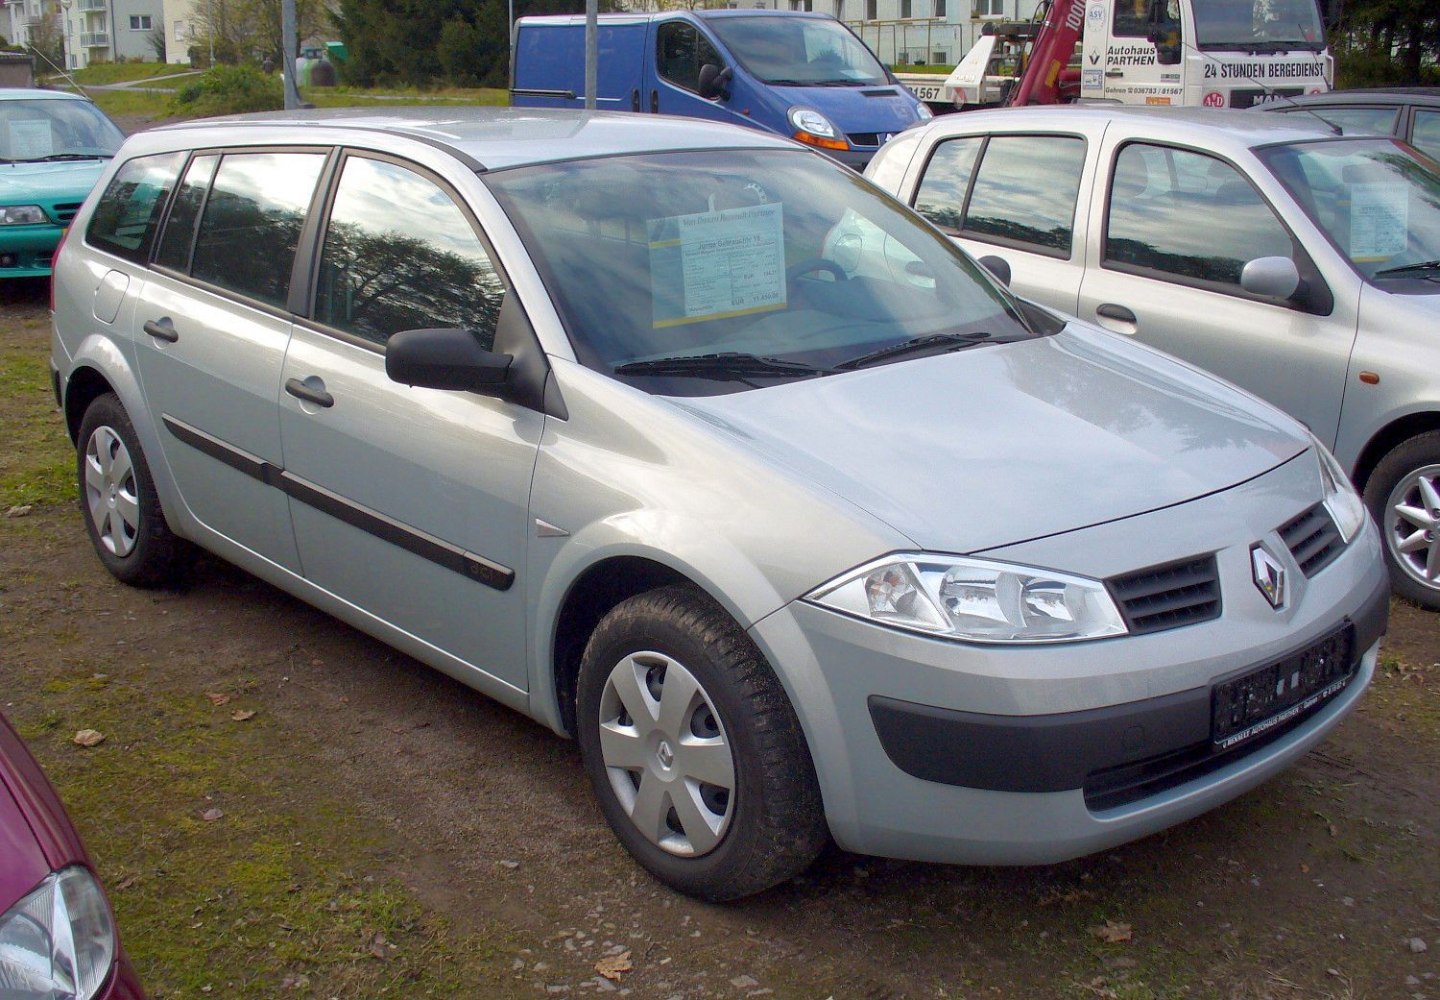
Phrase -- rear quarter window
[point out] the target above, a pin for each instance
(128, 213)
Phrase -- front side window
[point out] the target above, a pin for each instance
(251, 223)
(399, 254)
(1376, 201)
(799, 51)
(128, 213)
(940, 196)
(1186, 215)
(680, 51)
(1025, 190)
(692, 259)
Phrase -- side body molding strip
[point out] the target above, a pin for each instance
(426, 546)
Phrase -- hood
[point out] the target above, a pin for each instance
(36, 837)
(885, 108)
(66, 180)
(1000, 444)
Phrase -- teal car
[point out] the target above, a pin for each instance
(53, 146)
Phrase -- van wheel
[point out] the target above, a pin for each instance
(1403, 494)
(694, 750)
(117, 495)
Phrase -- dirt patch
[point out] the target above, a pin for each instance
(466, 838)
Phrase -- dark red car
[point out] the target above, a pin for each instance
(57, 934)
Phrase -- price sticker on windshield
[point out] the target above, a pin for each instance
(714, 265)
(1379, 220)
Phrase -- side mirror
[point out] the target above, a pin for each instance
(714, 81)
(998, 266)
(445, 359)
(1274, 277)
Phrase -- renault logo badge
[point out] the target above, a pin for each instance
(1269, 576)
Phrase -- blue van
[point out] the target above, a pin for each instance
(803, 75)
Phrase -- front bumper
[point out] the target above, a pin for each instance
(935, 750)
(25, 251)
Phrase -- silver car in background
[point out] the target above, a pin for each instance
(1296, 262)
(610, 418)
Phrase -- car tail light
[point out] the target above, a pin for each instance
(54, 259)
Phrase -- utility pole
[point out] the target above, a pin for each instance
(592, 52)
(288, 45)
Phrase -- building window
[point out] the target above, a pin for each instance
(989, 8)
(140, 22)
(871, 13)
(905, 8)
(839, 10)
(940, 8)
(180, 31)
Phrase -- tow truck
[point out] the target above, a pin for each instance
(1215, 53)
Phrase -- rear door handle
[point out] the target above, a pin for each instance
(162, 329)
(311, 393)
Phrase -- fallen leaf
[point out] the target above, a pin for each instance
(20, 511)
(211, 815)
(612, 967)
(242, 714)
(217, 698)
(89, 738)
(381, 948)
(1112, 933)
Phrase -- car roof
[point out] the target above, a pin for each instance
(38, 93)
(496, 138)
(1218, 126)
(1429, 96)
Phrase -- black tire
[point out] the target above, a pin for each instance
(118, 500)
(1409, 478)
(770, 822)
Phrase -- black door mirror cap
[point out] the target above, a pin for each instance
(445, 358)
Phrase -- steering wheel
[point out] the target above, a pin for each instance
(809, 264)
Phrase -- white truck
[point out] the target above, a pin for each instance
(1216, 53)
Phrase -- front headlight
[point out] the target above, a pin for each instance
(813, 128)
(22, 215)
(974, 599)
(1344, 504)
(58, 941)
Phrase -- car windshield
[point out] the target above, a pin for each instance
(1258, 25)
(1377, 200)
(45, 129)
(708, 271)
(799, 51)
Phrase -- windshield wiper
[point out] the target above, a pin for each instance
(1424, 265)
(68, 156)
(935, 343)
(725, 365)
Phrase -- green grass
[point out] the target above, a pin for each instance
(923, 68)
(103, 73)
(37, 465)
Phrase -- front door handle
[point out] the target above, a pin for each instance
(161, 329)
(1116, 318)
(312, 390)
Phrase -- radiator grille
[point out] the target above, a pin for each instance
(1168, 596)
(1312, 539)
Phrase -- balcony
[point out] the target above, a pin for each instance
(95, 40)
(92, 5)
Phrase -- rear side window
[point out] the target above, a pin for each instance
(399, 254)
(1187, 215)
(251, 222)
(1022, 193)
(129, 212)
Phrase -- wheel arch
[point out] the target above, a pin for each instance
(83, 387)
(1385, 440)
(598, 589)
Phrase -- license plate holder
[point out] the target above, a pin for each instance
(1255, 702)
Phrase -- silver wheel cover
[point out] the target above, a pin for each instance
(110, 495)
(667, 754)
(1412, 525)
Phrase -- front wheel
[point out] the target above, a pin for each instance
(1403, 494)
(693, 749)
(117, 495)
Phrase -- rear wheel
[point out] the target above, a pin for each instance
(1403, 494)
(117, 495)
(694, 750)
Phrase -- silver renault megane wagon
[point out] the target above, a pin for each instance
(802, 535)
